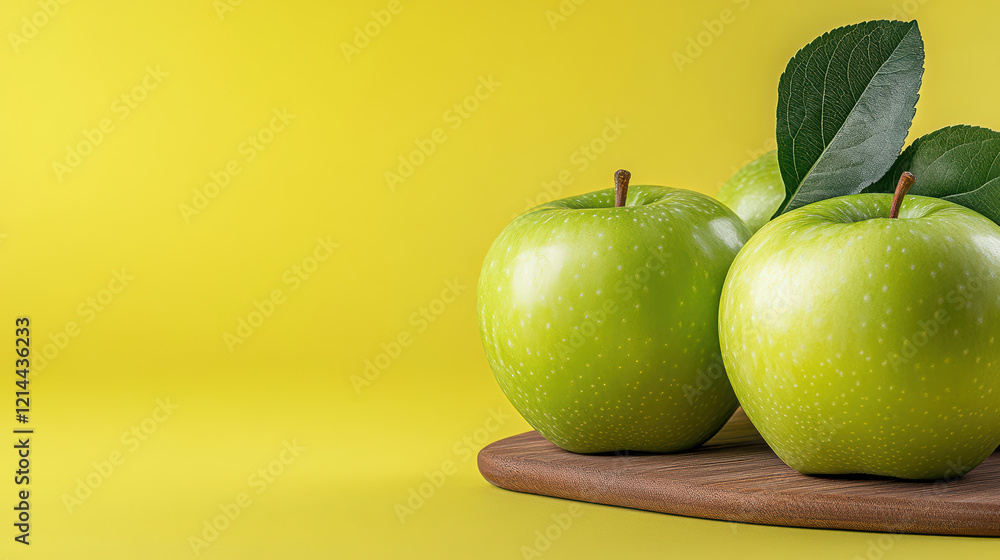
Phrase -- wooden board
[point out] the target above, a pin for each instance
(736, 477)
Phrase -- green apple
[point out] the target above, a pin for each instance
(600, 318)
(755, 191)
(863, 343)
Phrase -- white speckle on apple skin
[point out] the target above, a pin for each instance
(928, 405)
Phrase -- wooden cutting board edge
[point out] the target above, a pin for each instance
(873, 514)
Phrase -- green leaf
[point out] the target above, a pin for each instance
(845, 103)
(957, 163)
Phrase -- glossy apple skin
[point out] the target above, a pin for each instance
(601, 323)
(756, 191)
(862, 344)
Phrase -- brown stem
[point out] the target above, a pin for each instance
(905, 182)
(621, 187)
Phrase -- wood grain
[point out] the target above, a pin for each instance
(736, 477)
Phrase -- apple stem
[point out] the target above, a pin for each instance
(621, 187)
(905, 182)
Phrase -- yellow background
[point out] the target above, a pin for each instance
(64, 235)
